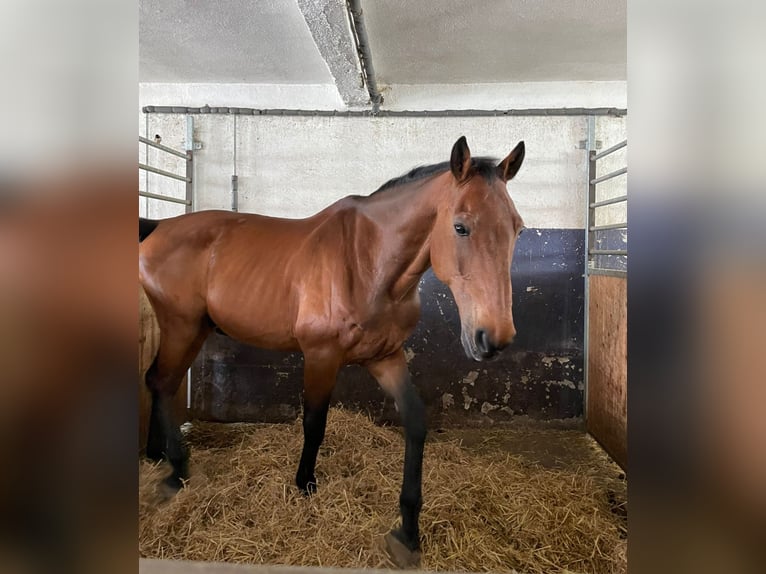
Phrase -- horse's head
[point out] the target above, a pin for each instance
(472, 246)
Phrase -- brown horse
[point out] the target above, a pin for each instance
(342, 287)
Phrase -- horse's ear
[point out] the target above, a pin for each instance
(507, 168)
(460, 161)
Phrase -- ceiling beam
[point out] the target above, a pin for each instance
(328, 22)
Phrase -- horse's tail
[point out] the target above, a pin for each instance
(145, 227)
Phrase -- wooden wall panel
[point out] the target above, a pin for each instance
(607, 408)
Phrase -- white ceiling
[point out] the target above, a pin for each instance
(230, 41)
(463, 42)
(413, 42)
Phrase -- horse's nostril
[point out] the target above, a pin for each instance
(481, 337)
(482, 341)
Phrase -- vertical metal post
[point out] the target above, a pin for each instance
(146, 161)
(189, 163)
(234, 178)
(189, 181)
(591, 219)
(189, 133)
(590, 197)
(189, 208)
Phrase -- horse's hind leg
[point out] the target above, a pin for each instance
(319, 374)
(155, 442)
(180, 342)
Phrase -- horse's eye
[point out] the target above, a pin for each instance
(461, 229)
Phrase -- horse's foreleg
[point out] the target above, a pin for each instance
(319, 373)
(393, 376)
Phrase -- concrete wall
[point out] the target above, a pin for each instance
(295, 166)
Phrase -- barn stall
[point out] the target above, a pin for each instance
(525, 463)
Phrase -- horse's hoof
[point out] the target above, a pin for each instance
(308, 489)
(170, 486)
(402, 556)
(165, 492)
(307, 486)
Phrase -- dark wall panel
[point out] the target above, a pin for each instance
(539, 375)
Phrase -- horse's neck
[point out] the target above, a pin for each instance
(405, 218)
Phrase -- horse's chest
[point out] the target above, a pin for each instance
(384, 329)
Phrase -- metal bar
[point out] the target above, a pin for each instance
(189, 142)
(365, 55)
(607, 252)
(612, 149)
(163, 172)
(609, 175)
(610, 201)
(590, 146)
(610, 272)
(146, 158)
(234, 177)
(164, 198)
(162, 147)
(590, 214)
(617, 112)
(607, 227)
(189, 182)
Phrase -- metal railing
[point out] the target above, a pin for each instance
(596, 253)
(186, 178)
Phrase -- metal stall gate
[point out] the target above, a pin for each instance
(606, 298)
(149, 335)
(188, 156)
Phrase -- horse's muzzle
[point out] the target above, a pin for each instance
(480, 346)
(486, 347)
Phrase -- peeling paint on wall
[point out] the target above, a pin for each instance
(561, 383)
(471, 377)
(467, 399)
(487, 408)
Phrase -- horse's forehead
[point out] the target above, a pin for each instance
(486, 198)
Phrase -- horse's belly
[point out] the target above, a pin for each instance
(257, 337)
(255, 319)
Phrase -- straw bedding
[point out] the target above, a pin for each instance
(481, 512)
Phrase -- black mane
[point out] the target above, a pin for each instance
(484, 166)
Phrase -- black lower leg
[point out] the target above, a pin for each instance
(314, 423)
(155, 443)
(175, 447)
(411, 499)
